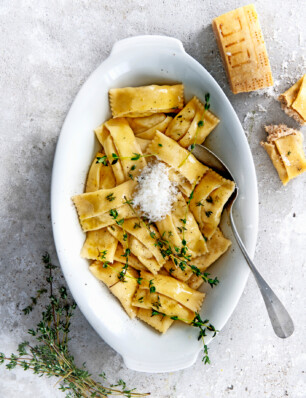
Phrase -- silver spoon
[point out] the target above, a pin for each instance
(279, 317)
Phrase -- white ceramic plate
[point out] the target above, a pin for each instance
(133, 62)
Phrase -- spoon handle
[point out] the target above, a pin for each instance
(279, 317)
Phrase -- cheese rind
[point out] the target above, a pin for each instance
(243, 50)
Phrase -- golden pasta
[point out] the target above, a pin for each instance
(153, 266)
(293, 101)
(285, 148)
(170, 152)
(146, 127)
(192, 124)
(209, 198)
(97, 242)
(175, 230)
(146, 100)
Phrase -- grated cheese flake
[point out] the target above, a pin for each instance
(155, 193)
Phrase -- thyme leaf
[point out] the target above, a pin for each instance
(110, 197)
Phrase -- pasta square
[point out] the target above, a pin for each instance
(174, 289)
(293, 101)
(192, 124)
(163, 304)
(133, 260)
(146, 127)
(99, 176)
(106, 219)
(108, 275)
(285, 148)
(216, 246)
(96, 203)
(123, 290)
(170, 152)
(118, 138)
(143, 235)
(97, 242)
(209, 198)
(159, 322)
(146, 100)
(180, 225)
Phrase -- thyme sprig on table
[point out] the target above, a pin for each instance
(50, 356)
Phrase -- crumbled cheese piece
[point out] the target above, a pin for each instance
(261, 108)
(285, 65)
(155, 193)
(286, 161)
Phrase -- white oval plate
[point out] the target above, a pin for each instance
(133, 62)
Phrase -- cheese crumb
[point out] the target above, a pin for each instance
(155, 193)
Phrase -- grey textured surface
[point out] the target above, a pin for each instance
(48, 49)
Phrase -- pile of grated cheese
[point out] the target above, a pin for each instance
(155, 193)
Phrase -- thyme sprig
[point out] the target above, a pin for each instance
(204, 326)
(197, 322)
(121, 274)
(114, 158)
(50, 356)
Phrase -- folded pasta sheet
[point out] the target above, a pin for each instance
(192, 124)
(144, 245)
(180, 225)
(145, 127)
(106, 219)
(120, 235)
(174, 289)
(93, 204)
(293, 101)
(99, 243)
(209, 198)
(285, 148)
(133, 260)
(243, 49)
(117, 138)
(216, 246)
(180, 181)
(146, 100)
(170, 152)
(143, 144)
(124, 289)
(99, 176)
(163, 304)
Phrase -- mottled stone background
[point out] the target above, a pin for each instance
(48, 49)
